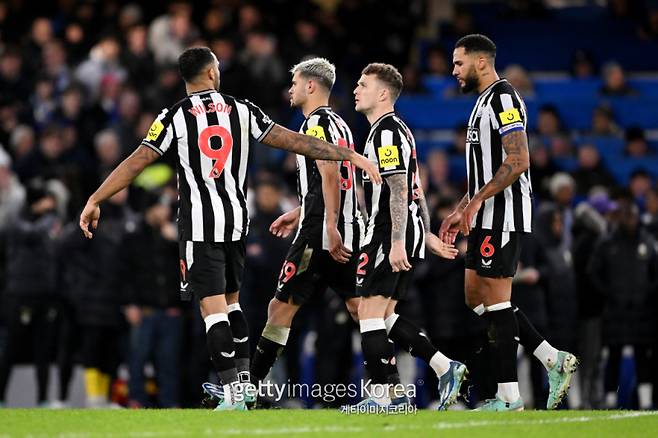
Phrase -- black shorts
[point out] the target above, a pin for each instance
(309, 269)
(375, 276)
(210, 268)
(493, 253)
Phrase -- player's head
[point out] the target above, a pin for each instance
(310, 77)
(474, 57)
(379, 84)
(198, 65)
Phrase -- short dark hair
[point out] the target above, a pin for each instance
(192, 61)
(477, 43)
(388, 74)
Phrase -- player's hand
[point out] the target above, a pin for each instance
(337, 250)
(468, 214)
(285, 224)
(370, 168)
(398, 257)
(439, 247)
(89, 216)
(450, 227)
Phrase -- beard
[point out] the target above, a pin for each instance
(471, 82)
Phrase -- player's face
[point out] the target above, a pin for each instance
(464, 70)
(365, 93)
(297, 90)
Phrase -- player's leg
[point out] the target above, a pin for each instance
(274, 338)
(503, 335)
(206, 266)
(410, 337)
(236, 253)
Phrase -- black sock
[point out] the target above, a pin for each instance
(503, 332)
(377, 354)
(222, 351)
(392, 374)
(240, 332)
(529, 337)
(264, 357)
(409, 337)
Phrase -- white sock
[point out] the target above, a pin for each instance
(644, 392)
(508, 391)
(547, 354)
(440, 363)
(611, 400)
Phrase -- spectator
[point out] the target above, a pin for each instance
(29, 298)
(413, 85)
(266, 71)
(562, 188)
(437, 63)
(636, 143)
(458, 148)
(548, 121)
(518, 77)
(438, 176)
(216, 21)
(108, 152)
(14, 83)
(543, 169)
(582, 65)
(137, 58)
(171, 33)
(625, 272)
(590, 171)
(12, 192)
(614, 81)
(305, 41)
(54, 63)
(148, 255)
(603, 123)
(234, 77)
(90, 276)
(639, 185)
(102, 64)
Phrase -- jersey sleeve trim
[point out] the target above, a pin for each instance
(266, 131)
(155, 148)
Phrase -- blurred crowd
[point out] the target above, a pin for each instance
(81, 82)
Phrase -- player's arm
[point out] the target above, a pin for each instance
(399, 207)
(331, 194)
(517, 161)
(119, 179)
(450, 225)
(282, 138)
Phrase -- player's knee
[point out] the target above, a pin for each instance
(280, 313)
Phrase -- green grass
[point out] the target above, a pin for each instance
(288, 423)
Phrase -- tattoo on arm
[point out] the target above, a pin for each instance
(399, 206)
(283, 138)
(516, 162)
(424, 211)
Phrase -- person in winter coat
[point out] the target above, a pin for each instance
(624, 270)
(29, 303)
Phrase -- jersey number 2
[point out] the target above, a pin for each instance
(218, 155)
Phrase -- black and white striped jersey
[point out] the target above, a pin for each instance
(499, 110)
(211, 132)
(326, 125)
(392, 146)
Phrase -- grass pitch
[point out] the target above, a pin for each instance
(36, 423)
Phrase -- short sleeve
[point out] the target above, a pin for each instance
(508, 112)
(161, 133)
(319, 126)
(391, 152)
(259, 123)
